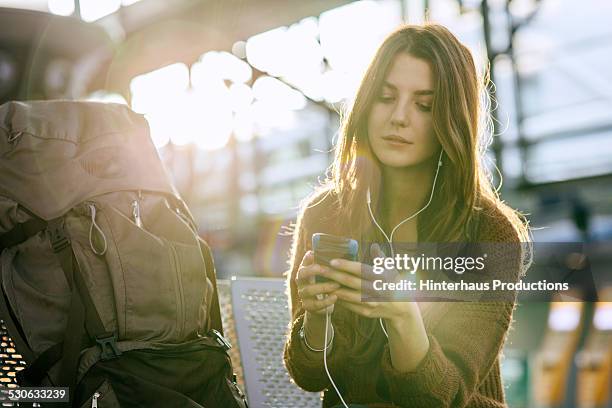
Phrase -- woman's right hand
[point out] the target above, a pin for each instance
(312, 294)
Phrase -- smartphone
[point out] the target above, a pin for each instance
(327, 247)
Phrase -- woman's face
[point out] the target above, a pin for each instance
(400, 127)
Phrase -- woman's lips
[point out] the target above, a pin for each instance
(393, 139)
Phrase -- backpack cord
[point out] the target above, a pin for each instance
(92, 209)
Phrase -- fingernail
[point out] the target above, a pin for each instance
(334, 262)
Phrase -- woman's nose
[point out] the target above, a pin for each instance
(399, 116)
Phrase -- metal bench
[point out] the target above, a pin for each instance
(10, 363)
(261, 319)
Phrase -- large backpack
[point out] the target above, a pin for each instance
(106, 287)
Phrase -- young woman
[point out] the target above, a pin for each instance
(407, 168)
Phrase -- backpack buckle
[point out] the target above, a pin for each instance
(57, 234)
(108, 346)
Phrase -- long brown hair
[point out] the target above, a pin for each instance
(460, 124)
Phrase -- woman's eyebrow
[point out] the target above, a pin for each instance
(420, 92)
(389, 85)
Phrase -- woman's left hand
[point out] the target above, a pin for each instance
(405, 328)
(355, 276)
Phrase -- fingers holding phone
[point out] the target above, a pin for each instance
(356, 278)
(314, 296)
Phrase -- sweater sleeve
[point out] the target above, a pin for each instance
(307, 369)
(463, 346)
(461, 353)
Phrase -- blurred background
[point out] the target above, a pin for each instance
(243, 101)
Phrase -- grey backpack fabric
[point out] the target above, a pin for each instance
(99, 253)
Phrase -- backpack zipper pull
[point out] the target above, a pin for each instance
(136, 213)
(92, 210)
(14, 136)
(94, 400)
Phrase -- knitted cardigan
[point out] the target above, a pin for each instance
(461, 367)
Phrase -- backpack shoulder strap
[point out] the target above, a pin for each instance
(15, 236)
(215, 309)
(22, 232)
(13, 329)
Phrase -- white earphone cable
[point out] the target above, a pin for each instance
(327, 317)
(389, 237)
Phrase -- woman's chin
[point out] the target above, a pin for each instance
(397, 162)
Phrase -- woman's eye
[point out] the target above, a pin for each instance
(385, 98)
(423, 107)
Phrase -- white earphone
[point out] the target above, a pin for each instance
(389, 239)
